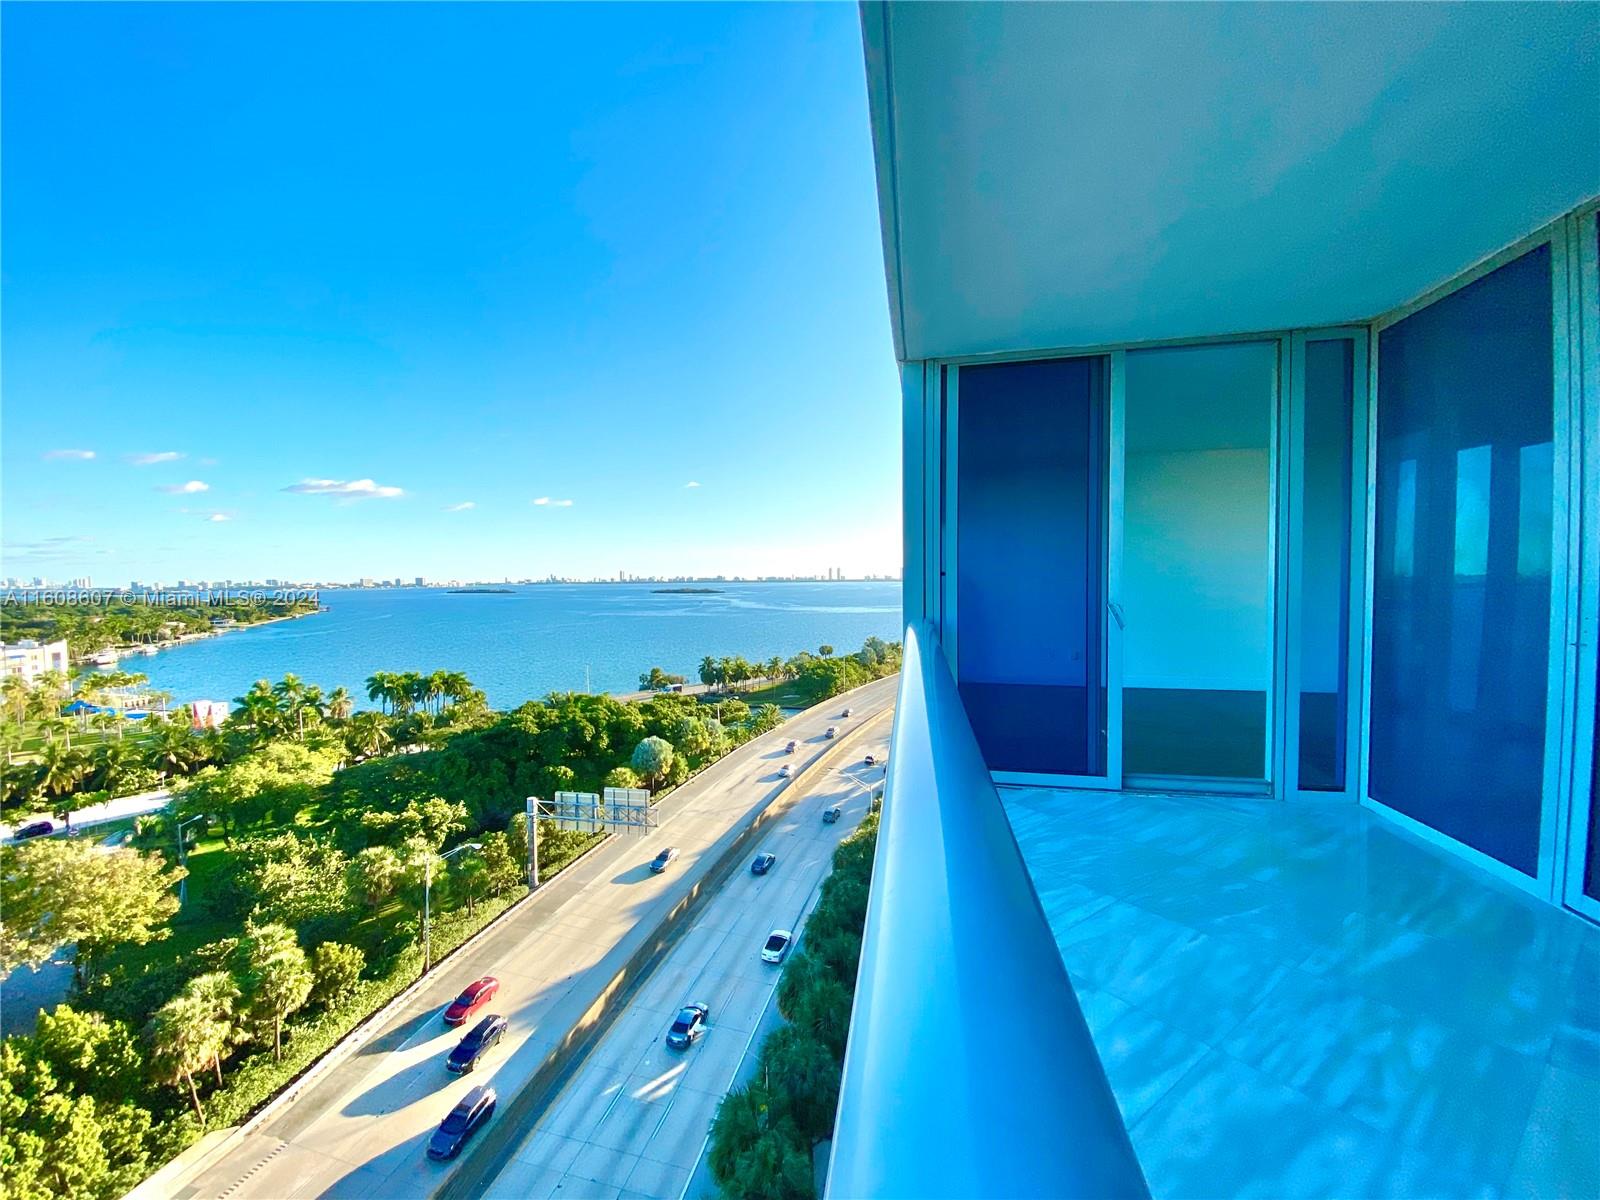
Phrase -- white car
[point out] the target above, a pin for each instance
(777, 945)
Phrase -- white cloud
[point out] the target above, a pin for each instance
(351, 489)
(183, 489)
(71, 455)
(543, 501)
(219, 516)
(692, 483)
(462, 507)
(151, 459)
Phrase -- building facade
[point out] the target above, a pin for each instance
(1250, 361)
(29, 659)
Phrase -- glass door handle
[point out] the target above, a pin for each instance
(1116, 611)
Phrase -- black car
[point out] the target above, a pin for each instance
(763, 863)
(37, 829)
(484, 1036)
(691, 1023)
(465, 1119)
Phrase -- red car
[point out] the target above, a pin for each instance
(478, 993)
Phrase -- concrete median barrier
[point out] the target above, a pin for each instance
(636, 957)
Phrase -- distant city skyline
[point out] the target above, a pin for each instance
(274, 309)
(88, 583)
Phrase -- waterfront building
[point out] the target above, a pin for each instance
(28, 659)
(1241, 833)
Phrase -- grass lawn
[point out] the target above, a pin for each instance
(788, 694)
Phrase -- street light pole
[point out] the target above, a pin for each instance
(427, 901)
(533, 842)
(183, 860)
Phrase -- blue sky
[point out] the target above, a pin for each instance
(362, 266)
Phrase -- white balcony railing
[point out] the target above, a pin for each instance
(970, 1072)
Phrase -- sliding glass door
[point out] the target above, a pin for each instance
(1198, 568)
(1111, 564)
(1030, 557)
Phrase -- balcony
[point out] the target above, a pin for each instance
(969, 1070)
(1284, 999)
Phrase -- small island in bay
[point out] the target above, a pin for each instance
(686, 591)
(480, 591)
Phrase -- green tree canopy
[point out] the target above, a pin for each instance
(56, 893)
(54, 1143)
(336, 970)
(375, 874)
(652, 758)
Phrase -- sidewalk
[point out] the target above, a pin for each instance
(96, 814)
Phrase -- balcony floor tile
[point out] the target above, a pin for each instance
(1299, 1001)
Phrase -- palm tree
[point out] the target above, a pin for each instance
(431, 689)
(340, 705)
(53, 682)
(366, 734)
(473, 874)
(258, 709)
(710, 670)
(186, 1038)
(113, 763)
(172, 752)
(15, 690)
(381, 687)
(459, 687)
(406, 691)
(217, 993)
(293, 698)
(63, 767)
(54, 724)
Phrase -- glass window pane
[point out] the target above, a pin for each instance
(1030, 554)
(1591, 874)
(1325, 564)
(1461, 597)
(1197, 547)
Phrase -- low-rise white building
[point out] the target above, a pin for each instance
(31, 659)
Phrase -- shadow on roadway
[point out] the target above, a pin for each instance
(636, 874)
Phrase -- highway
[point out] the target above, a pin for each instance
(359, 1129)
(632, 1121)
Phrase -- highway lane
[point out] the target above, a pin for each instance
(359, 1130)
(632, 1120)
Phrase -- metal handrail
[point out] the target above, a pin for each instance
(970, 1071)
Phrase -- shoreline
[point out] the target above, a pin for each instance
(150, 649)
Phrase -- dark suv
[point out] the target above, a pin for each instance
(476, 1107)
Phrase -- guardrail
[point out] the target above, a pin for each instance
(970, 1071)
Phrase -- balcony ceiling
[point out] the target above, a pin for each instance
(1081, 174)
